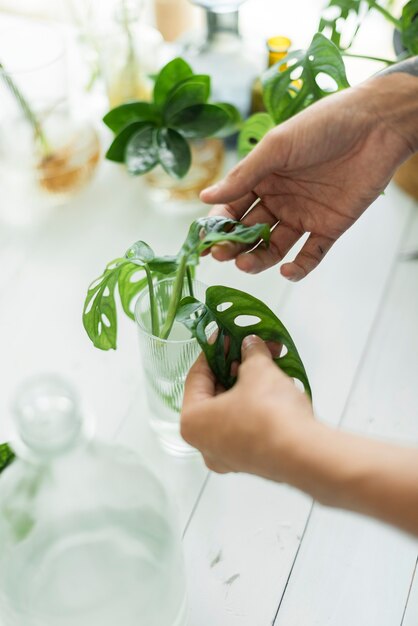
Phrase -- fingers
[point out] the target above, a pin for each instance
(259, 214)
(235, 210)
(308, 258)
(243, 177)
(200, 383)
(253, 347)
(282, 239)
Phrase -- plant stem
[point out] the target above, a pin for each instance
(175, 298)
(155, 325)
(26, 109)
(370, 58)
(189, 281)
(374, 5)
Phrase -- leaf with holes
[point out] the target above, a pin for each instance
(284, 97)
(7, 456)
(131, 281)
(409, 26)
(343, 15)
(253, 130)
(224, 306)
(208, 231)
(99, 313)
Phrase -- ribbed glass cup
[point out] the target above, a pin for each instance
(166, 363)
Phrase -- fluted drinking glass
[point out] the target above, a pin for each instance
(166, 363)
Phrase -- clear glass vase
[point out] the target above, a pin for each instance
(166, 363)
(88, 536)
(46, 154)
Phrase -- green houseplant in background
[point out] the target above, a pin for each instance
(305, 76)
(171, 131)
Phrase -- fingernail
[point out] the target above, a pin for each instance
(249, 341)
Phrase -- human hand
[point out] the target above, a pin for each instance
(255, 427)
(315, 173)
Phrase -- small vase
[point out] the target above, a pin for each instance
(166, 363)
(182, 196)
(406, 176)
(46, 155)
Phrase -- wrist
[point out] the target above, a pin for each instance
(392, 100)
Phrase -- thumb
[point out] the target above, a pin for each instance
(244, 176)
(253, 346)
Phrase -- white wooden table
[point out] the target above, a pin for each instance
(257, 553)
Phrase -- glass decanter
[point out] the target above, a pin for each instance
(223, 54)
(87, 536)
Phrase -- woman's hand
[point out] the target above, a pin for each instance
(257, 426)
(318, 172)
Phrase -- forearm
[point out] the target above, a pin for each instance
(392, 96)
(347, 471)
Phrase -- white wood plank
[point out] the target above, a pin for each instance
(365, 568)
(330, 313)
(411, 612)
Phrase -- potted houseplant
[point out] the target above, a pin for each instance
(174, 140)
(284, 97)
(177, 316)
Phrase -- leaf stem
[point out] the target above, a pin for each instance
(175, 298)
(155, 325)
(26, 109)
(374, 5)
(370, 58)
(189, 280)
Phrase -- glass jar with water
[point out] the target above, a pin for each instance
(87, 533)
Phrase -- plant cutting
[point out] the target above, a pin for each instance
(161, 131)
(58, 169)
(221, 322)
(305, 76)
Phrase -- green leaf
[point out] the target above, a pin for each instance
(237, 314)
(284, 98)
(173, 152)
(340, 11)
(7, 456)
(193, 90)
(117, 149)
(409, 26)
(171, 74)
(234, 122)
(140, 253)
(253, 130)
(164, 265)
(125, 114)
(99, 313)
(131, 281)
(200, 120)
(141, 153)
(207, 231)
